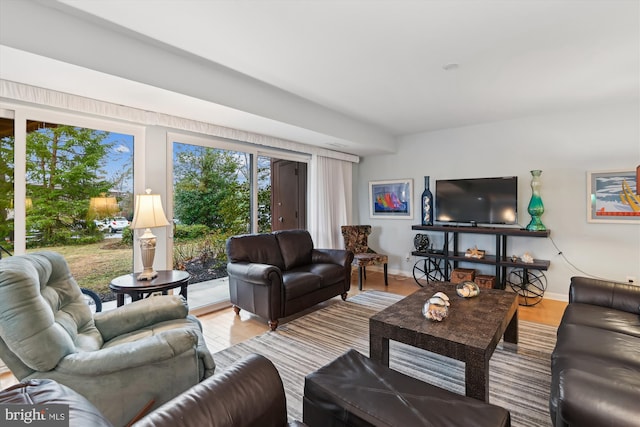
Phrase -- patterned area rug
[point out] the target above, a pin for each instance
(519, 379)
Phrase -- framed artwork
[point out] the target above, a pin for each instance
(391, 199)
(613, 197)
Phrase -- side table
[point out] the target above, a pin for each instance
(166, 279)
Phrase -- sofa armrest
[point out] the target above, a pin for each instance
(332, 256)
(248, 393)
(619, 296)
(592, 400)
(139, 314)
(256, 274)
(147, 351)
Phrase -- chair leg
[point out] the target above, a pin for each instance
(360, 278)
(386, 282)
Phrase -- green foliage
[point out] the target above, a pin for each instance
(213, 246)
(212, 188)
(127, 236)
(63, 173)
(6, 185)
(194, 231)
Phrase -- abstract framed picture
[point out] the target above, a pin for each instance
(391, 199)
(613, 197)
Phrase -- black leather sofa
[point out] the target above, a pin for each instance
(595, 366)
(248, 394)
(275, 275)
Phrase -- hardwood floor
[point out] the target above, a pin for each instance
(223, 328)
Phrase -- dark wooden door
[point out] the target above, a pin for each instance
(288, 195)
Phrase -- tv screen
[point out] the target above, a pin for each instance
(477, 201)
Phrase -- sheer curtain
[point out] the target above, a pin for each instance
(330, 200)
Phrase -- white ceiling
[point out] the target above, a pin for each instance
(380, 62)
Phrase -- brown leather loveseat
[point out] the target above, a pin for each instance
(275, 275)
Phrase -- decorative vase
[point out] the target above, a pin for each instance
(536, 208)
(427, 204)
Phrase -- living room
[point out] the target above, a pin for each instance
(565, 134)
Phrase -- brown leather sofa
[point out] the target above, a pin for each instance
(595, 366)
(248, 394)
(275, 275)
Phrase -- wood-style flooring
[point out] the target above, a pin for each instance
(223, 328)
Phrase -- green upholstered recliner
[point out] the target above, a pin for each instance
(120, 360)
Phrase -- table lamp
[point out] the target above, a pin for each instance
(148, 214)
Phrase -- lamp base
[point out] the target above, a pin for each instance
(148, 252)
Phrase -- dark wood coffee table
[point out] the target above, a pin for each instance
(470, 333)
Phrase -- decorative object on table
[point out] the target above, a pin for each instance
(437, 307)
(467, 289)
(486, 281)
(391, 199)
(474, 253)
(148, 214)
(613, 197)
(536, 207)
(514, 258)
(527, 258)
(427, 204)
(421, 242)
(459, 275)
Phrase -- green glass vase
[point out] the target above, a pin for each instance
(536, 207)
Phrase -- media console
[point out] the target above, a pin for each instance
(501, 260)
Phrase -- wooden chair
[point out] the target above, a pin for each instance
(356, 241)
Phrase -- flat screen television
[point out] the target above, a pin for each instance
(477, 201)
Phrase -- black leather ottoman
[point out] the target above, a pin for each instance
(356, 391)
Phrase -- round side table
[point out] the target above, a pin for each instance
(166, 279)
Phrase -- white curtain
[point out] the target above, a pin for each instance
(330, 201)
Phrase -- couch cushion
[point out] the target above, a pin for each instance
(578, 342)
(256, 248)
(299, 283)
(329, 273)
(602, 318)
(296, 247)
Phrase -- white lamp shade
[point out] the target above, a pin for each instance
(149, 212)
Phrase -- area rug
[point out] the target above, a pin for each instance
(519, 379)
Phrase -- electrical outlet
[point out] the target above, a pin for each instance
(631, 279)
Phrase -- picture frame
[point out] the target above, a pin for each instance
(391, 199)
(612, 197)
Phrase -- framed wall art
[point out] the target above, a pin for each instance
(613, 197)
(391, 199)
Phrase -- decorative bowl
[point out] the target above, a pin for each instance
(467, 289)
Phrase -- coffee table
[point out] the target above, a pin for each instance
(470, 333)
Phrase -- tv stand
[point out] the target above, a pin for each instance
(501, 260)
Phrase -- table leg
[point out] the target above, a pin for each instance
(120, 299)
(511, 333)
(379, 349)
(183, 290)
(476, 376)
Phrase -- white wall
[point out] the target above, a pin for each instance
(563, 145)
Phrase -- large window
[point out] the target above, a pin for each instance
(74, 198)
